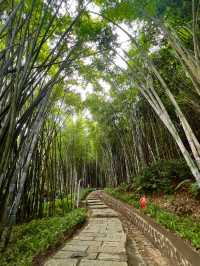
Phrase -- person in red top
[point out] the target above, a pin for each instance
(143, 202)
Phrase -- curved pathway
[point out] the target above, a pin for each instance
(101, 243)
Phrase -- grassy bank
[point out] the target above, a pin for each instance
(30, 239)
(185, 227)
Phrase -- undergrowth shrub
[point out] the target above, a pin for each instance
(162, 177)
(65, 205)
(84, 192)
(194, 190)
(30, 239)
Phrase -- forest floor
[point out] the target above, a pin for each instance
(180, 203)
(107, 240)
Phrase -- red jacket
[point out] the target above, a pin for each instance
(143, 202)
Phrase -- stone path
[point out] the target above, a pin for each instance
(101, 243)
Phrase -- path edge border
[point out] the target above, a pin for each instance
(170, 245)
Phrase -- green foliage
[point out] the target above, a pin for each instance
(128, 10)
(65, 205)
(87, 28)
(62, 206)
(81, 140)
(130, 198)
(185, 227)
(84, 192)
(30, 239)
(194, 189)
(73, 99)
(162, 176)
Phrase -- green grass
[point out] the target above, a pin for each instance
(185, 227)
(30, 239)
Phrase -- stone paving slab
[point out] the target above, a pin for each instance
(104, 213)
(117, 249)
(95, 202)
(74, 248)
(85, 243)
(97, 207)
(102, 263)
(112, 257)
(84, 237)
(62, 262)
(90, 202)
(64, 254)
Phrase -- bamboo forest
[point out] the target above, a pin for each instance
(100, 132)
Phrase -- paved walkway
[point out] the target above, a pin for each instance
(100, 243)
